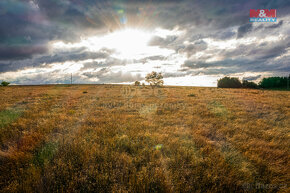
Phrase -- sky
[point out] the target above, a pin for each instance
(191, 42)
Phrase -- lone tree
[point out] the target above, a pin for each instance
(137, 83)
(4, 83)
(228, 82)
(154, 79)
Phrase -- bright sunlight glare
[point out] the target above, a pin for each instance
(127, 44)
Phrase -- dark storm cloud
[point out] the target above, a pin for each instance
(27, 26)
(60, 57)
(224, 35)
(21, 52)
(63, 57)
(256, 51)
(214, 14)
(235, 66)
(97, 74)
(246, 58)
(71, 18)
(22, 31)
(12, 66)
(191, 64)
(269, 52)
(229, 66)
(276, 25)
(242, 30)
(191, 49)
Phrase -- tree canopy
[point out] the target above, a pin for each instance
(154, 79)
(229, 82)
(4, 83)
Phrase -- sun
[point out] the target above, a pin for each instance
(129, 43)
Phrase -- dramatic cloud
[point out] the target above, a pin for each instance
(192, 48)
(242, 30)
(276, 25)
(108, 41)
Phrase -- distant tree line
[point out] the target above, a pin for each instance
(274, 82)
(271, 82)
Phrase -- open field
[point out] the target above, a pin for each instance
(115, 138)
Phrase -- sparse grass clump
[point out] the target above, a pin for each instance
(191, 95)
(8, 116)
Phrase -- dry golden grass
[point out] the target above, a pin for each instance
(114, 138)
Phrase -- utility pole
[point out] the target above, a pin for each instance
(71, 78)
(288, 79)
